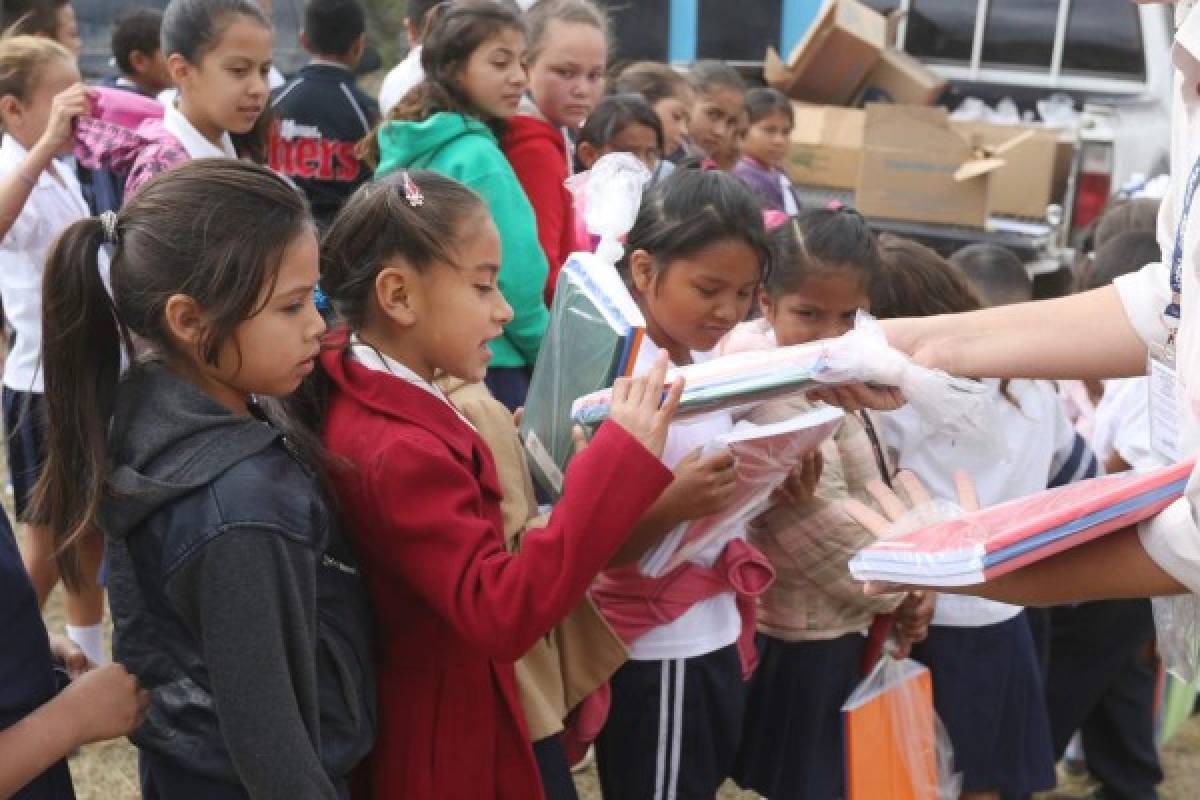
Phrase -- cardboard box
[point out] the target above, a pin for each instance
(916, 166)
(830, 62)
(899, 78)
(826, 148)
(1025, 184)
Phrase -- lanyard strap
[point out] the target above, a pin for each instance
(877, 446)
(1173, 310)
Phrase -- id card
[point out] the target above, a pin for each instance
(1164, 402)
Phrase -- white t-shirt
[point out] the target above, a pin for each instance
(1122, 424)
(1172, 538)
(52, 206)
(1039, 439)
(401, 80)
(710, 624)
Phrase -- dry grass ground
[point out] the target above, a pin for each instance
(108, 771)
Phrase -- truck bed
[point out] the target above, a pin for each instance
(1033, 241)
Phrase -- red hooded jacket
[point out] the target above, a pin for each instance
(538, 153)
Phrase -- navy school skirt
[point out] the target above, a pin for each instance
(792, 741)
(987, 690)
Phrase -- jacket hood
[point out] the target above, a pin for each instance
(168, 438)
(408, 144)
(523, 129)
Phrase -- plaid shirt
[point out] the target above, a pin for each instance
(813, 596)
(140, 155)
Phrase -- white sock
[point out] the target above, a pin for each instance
(90, 639)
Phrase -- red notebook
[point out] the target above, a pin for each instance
(994, 541)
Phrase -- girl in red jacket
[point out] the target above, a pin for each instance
(567, 55)
(410, 265)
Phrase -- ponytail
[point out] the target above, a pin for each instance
(81, 356)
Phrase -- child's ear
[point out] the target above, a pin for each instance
(305, 42)
(11, 108)
(185, 322)
(139, 61)
(395, 293)
(357, 49)
(642, 269)
(587, 153)
(179, 68)
(766, 305)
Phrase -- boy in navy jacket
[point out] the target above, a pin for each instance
(321, 114)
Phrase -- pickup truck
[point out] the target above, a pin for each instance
(1110, 57)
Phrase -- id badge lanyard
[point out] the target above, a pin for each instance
(1164, 382)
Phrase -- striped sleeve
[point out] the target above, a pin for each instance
(1079, 464)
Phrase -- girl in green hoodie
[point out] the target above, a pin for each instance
(451, 123)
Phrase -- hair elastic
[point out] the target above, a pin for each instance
(108, 220)
(772, 219)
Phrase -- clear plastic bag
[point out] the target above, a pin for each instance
(612, 194)
(1177, 625)
(896, 747)
(591, 340)
(946, 404)
(765, 455)
(725, 383)
(595, 326)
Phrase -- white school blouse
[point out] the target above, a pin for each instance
(1038, 440)
(55, 202)
(713, 623)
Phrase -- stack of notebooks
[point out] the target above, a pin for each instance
(991, 542)
(593, 338)
(727, 382)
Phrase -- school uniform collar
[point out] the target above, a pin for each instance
(380, 361)
(194, 142)
(392, 396)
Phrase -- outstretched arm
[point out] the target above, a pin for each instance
(1086, 335)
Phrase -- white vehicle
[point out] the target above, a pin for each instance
(1111, 57)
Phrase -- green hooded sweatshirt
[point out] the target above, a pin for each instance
(463, 148)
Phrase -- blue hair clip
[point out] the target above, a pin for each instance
(322, 301)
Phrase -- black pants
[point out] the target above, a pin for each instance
(162, 779)
(673, 729)
(554, 769)
(1101, 682)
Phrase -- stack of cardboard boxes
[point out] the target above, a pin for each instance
(864, 122)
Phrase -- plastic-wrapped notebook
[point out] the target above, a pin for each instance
(765, 455)
(727, 381)
(991, 542)
(593, 338)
